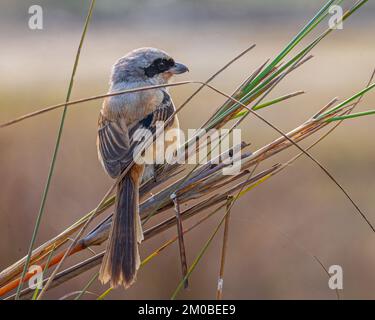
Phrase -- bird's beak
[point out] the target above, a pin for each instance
(178, 68)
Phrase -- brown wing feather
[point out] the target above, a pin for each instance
(115, 145)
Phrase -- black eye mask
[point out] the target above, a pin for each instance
(158, 66)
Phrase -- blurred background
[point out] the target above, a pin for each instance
(276, 229)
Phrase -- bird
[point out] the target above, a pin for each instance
(119, 119)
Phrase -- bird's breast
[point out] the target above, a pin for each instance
(133, 106)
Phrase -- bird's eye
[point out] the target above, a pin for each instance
(162, 65)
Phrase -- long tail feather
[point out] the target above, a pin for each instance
(121, 260)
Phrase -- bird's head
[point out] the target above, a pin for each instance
(146, 65)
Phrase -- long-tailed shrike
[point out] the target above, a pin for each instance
(119, 117)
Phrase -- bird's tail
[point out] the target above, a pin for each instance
(121, 260)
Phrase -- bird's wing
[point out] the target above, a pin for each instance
(113, 145)
(115, 139)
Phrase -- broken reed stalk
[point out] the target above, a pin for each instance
(181, 242)
(220, 281)
(203, 250)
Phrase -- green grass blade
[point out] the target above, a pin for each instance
(88, 284)
(319, 16)
(347, 101)
(268, 103)
(104, 294)
(256, 89)
(351, 116)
